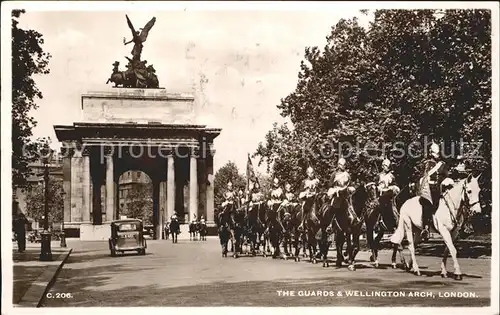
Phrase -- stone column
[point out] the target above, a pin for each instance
(86, 200)
(170, 185)
(163, 203)
(67, 183)
(157, 217)
(110, 189)
(193, 184)
(76, 187)
(210, 187)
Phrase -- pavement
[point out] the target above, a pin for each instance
(193, 273)
(32, 277)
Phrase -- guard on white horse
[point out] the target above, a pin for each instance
(430, 187)
(452, 212)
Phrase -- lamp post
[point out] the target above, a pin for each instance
(63, 234)
(46, 252)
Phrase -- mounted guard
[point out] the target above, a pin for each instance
(387, 190)
(310, 188)
(276, 198)
(230, 198)
(430, 187)
(290, 200)
(340, 189)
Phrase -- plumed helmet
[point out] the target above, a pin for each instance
(386, 163)
(276, 180)
(229, 184)
(341, 162)
(435, 149)
(288, 186)
(310, 170)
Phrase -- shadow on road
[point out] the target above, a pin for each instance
(23, 277)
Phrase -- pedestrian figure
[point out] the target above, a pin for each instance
(19, 226)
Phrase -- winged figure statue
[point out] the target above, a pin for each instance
(138, 37)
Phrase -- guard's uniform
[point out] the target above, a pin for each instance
(310, 188)
(387, 189)
(430, 188)
(230, 198)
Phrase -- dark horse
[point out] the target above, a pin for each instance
(202, 229)
(224, 227)
(254, 226)
(310, 208)
(238, 229)
(175, 229)
(347, 228)
(290, 223)
(275, 228)
(380, 215)
(193, 231)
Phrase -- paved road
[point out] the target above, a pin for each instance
(195, 274)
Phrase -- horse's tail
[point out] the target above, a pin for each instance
(399, 234)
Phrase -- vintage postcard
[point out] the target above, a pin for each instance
(250, 157)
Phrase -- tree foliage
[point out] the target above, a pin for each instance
(410, 77)
(228, 172)
(140, 202)
(35, 201)
(28, 60)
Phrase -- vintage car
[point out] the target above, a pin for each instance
(127, 235)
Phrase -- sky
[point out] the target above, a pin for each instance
(238, 63)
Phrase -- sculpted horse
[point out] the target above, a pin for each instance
(122, 78)
(380, 217)
(347, 223)
(453, 212)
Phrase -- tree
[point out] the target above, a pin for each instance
(140, 202)
(408, 77)
(35, 201)
(228, 172)
(28, 60)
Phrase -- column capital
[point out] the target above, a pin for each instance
(86, 151)
(194, 152)
(67, 152)
(108, 151)
(166, 152)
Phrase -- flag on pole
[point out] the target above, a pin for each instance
(250, 173)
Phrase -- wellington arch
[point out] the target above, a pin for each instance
(149, 130)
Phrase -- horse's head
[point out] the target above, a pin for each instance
(472, 190)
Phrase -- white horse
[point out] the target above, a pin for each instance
(454, 208)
